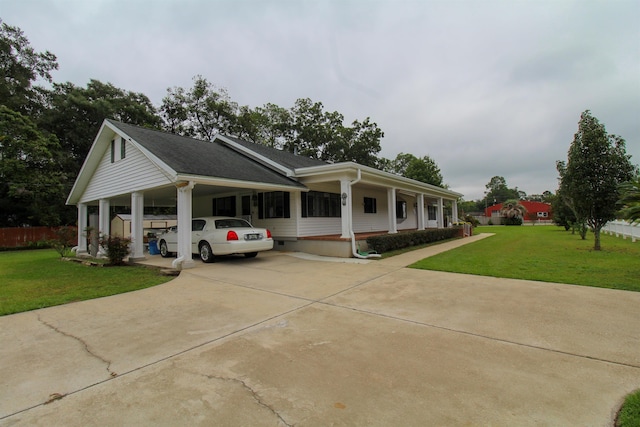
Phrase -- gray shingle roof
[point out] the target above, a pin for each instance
(284, 158)
(195, 157)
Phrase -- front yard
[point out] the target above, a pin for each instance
(545, 253)
(39, 278)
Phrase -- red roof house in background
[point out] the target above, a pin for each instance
(536, 211)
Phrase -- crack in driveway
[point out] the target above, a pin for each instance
(83, 343)
(254, 395)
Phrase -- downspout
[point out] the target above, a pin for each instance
(354, 251)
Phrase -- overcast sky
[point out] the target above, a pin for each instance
(484, 88)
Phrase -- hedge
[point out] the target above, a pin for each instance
(391, 242)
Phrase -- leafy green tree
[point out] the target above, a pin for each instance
(359, 143)
(498, 191)
(630, 200)
(308, 130)
(426, 170)
(201, 112)
(32, 187)
(422, 169)
(75, 114)
(597, 164)
(566, 207)
(269, 125)
(398, 165)
(20, 67)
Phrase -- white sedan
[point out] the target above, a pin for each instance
(219, 235)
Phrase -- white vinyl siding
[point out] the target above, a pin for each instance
(319, 226)
(133, 173)
(366, 222)
(411, 221)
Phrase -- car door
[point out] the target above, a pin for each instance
(197, 230)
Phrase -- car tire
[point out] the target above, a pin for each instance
(251, 254)
(164, 250)
(206, 254)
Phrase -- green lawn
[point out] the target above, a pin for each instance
(629, 415)
(545, 253)
(39, 278)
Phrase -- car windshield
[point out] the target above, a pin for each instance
(232, 223)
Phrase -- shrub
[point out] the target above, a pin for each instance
(471, 219)
(117, 248)
(511, 221)
(65, 240)
(391, 242)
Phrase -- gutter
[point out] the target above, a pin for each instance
(354, 251)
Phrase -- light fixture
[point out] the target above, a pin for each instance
(344, 199)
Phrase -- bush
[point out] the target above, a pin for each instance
(64, 241)
(391, 242)
(511, 221)
(474, 222)
(117, 248)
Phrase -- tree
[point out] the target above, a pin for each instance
(567, 207)
(74, 114)
(20, 67)
(202, 112)
(359, 143)
(268, 125)
(308, 130)
(422, 169)
(597, 164)
(498, 191)
(33, 186)
(630, 200)
(513, 211)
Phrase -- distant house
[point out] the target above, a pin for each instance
(536, 212)
(309, 205)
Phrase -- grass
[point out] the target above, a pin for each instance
(629, 415)
(39, 278)
(544, 253)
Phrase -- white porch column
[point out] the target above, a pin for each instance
(420, 211)
(346, 208)
(440, 213)
(454, 211)
(137, 234)
(104, 222)
(82, 225)
(391, 202)
(184, 259)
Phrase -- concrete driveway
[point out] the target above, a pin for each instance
(281, 340)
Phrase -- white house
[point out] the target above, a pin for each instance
(309, 205)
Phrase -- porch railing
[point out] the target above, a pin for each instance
(622, 228)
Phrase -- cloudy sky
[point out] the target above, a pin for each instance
(484, 88)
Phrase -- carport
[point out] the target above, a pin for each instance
(136, 167)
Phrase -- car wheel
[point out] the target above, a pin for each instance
(251, 254)
(206, 254)
(164, 250)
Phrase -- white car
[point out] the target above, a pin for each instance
(219, 235)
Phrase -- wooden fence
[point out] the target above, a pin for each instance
(622, 228)
(24, 236)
